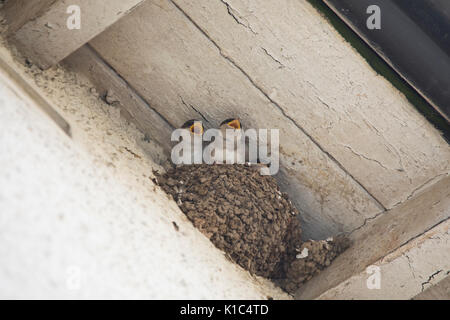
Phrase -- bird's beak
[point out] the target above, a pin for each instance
(235, 124)
(196, 128)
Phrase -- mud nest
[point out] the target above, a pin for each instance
(247, 216)
(310, 258)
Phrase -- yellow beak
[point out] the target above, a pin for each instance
(235, 124)
(196, 128)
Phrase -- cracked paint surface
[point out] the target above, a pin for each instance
(190, 65)
(89, 204)
(344, 159)
(357, 117)
(405, 272)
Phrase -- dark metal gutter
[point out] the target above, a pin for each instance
(414, 40)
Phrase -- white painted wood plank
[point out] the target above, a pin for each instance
(296, 58)
(47, 39)
(390, 234)
(19, 12)
(439, 291)
(183, 75)
(404, 273)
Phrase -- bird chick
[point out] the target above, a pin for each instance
(194, 151)
(240, 146)
(234, 144)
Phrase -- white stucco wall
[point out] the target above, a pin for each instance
(81, 218)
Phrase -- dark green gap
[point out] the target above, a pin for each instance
(383, 69)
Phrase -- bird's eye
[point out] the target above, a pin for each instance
(235, 124)
(196, 128)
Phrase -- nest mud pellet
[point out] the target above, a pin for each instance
(247, 216)
(311, 257)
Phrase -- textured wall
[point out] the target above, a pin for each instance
(351, 145)
(404, 273)
(44, 36)
(81, 218)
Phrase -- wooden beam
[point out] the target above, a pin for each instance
(392, 234)
(440, 291)
(11, 75)
(302, 64)
(47, 39)
(336, 115)
(411, 269)
(183, 75)
(18, 12)
(86, 61)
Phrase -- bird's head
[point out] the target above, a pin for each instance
(232, 123)
(195, 127)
